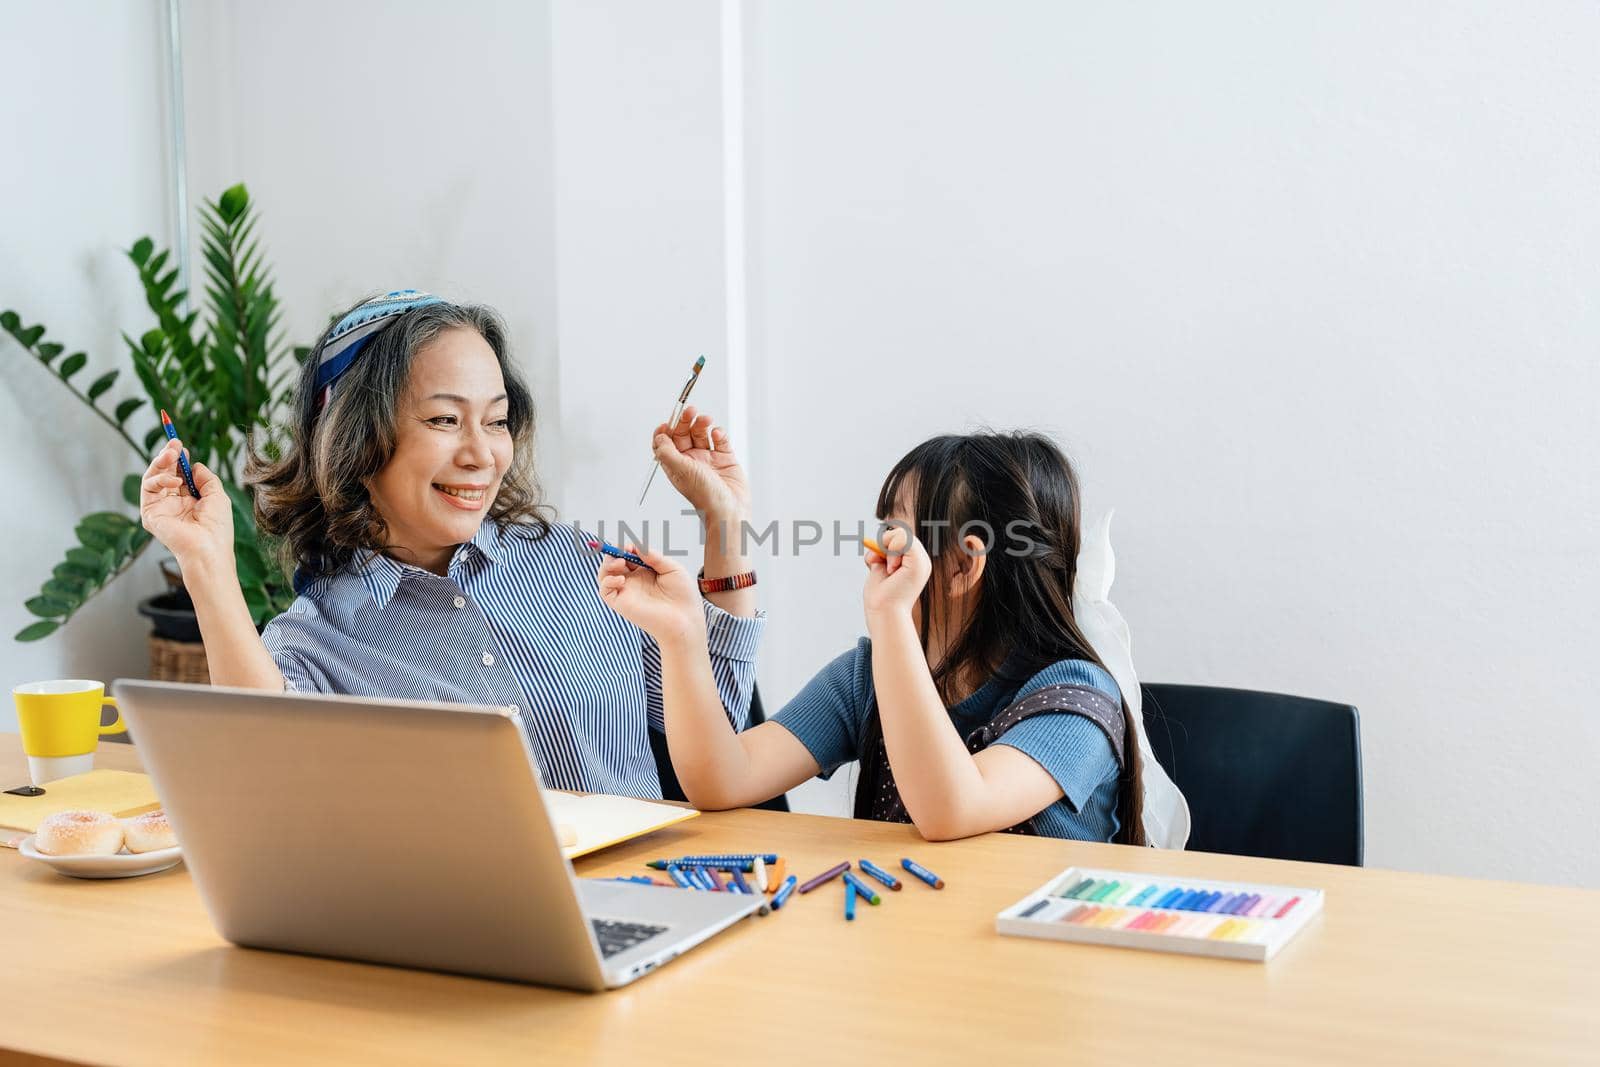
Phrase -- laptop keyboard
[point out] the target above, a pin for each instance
(615, 937)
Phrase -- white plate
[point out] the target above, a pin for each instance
(122, 865)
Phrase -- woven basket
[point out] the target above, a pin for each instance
(178, 661)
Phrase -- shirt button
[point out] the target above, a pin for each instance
(460, 601)
(488, 660)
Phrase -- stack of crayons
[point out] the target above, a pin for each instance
(854, 887)
(766, 872)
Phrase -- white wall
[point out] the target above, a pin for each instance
(640, 215)
(387, 146)
(83, 174)
(1309, 293)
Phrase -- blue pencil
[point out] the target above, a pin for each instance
(862, 889)
(183, 461)
(613, 550)
(704, 861)
(880, 874)
(923, 873)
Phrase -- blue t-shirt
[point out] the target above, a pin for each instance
(829, 717)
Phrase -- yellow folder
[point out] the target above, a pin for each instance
(121, 793)
(599, 821)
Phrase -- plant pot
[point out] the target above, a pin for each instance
(173, 616)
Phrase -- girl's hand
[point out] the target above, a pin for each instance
(895, 580)
(665, 605)
(699, 461)
(192, 530)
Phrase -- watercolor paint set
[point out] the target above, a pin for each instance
(1232, 920)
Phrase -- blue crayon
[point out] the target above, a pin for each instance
(183, 461)
(1189, 897)
(677, 875)
(1141, 896)
(612, 550)
(923, 873)
(704, 861)
(850, 901)
(781, 897)
(880, 874)
(740, 884)
(1168, 898)
(863, 889)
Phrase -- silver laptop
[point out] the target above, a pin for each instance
(397, 832)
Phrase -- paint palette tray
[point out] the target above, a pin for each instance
(1232, 920)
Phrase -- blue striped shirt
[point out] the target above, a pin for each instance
(829, 717)
(516, 621)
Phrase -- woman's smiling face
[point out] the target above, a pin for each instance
(452, 448)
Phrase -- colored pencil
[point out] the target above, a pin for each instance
(183, 461)
(921, 872)
(826, 876)
(879, 873)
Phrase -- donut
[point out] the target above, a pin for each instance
(79, 833)
(149, 831)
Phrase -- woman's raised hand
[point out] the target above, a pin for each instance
(662, 600)
(190, 529)
(699, 460)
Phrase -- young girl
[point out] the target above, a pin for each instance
(975, 703)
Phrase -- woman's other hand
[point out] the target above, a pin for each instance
(192, 530)
(662, 600)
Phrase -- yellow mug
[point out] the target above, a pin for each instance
(60, 723)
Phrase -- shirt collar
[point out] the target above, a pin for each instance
(487, 540)
(382, 575)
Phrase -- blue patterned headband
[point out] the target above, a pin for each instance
(346, 340)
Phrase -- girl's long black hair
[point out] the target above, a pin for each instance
(1018, 494)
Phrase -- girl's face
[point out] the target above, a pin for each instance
(452, 448)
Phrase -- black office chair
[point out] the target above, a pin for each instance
(1264, 774)
(671, 790)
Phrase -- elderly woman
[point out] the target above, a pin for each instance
(425, 563)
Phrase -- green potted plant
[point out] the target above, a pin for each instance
(222, 380)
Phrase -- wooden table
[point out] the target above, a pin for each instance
(1401, 968)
